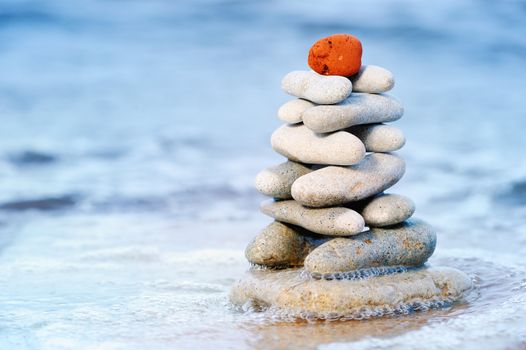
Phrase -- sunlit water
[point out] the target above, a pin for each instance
(132, 130)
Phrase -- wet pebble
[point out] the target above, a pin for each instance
(408, 244)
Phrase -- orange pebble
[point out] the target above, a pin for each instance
(338, 54)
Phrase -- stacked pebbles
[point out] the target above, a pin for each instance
(317, 259)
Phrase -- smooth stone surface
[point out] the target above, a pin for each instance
(317, 88)
(291, 112)
(335, 185)
(327, 221)
(358, 109)
(372, 79)
(387, 209)
(379, 137)
(279, 245)
(276, 181)
(338, 54)
(408, 244)
(299, 143)
(295, 295)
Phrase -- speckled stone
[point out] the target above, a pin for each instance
(281, 245)
(299, 143)
(317, 88)
(327, 221)
(379, 137)
(292, 111)
(358, 109)
(408, 244)
(334, 185)
(387, 209)
(292, 294)
(276, 181)
(372, 79)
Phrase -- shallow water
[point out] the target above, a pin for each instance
(132, 131)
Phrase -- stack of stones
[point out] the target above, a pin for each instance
(340, 162)
(333, 221)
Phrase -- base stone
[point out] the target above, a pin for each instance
(292, 293)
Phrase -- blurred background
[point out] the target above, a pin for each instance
(131, 132)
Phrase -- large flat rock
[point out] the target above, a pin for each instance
(292, 294)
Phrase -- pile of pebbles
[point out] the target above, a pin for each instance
(340, 162)
(339, 243)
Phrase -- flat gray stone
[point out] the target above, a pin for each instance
(291, 294)
(336, 221)
(292, 111)
(317, 88)
(358, 109)
(335, 185)
(280, 245)
(372, 79)
(387, 209)
(408, 244)
(300, 144)
(276, 181)
(379, 137)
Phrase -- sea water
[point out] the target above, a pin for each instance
(131, 132)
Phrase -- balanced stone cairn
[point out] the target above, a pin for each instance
(340, 246)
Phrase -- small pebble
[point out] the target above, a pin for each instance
(337, 221)
(299, 143)
(373, 80)
(334, 185)
(292, 111)
(387, 209)
(359, 108)
(338, 54)
(281, 245)
(379, 137)
(276, 181)
(317, 88)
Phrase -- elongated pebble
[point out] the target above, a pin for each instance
(372, 79)
(379, 137)
(317, 88)
(299, 143)
(358, 109)
(408, 244)
(282, 245)
(334, 185)
(276, 181)
(336, 221)
(292, 111)
(387, 209)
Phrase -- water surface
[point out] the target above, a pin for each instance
(132, 131)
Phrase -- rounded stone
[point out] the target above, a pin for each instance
(334, 185)
(387, 209)
(279, 245)
(359, 108)
(276, 181)
(292, 111)
(299, 143)
(338, 54)
(291, 294)
(407, 244)
(317, 88)
(379, 137)
(336, 221)
(373, 80)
